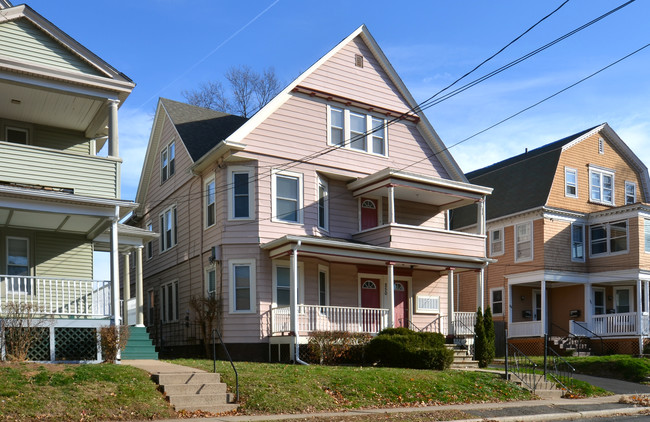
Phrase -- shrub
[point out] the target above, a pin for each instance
(113, 338)
(489, 336)
(21, 330)
(403, 348)
(336, 347)
(480, 340)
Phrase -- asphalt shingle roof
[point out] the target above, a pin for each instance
(201, 129)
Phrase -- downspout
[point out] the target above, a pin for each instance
(294, 301)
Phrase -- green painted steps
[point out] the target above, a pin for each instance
(139, 345)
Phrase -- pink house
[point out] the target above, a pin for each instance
(326, 210)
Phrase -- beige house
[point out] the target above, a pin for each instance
(326, 210)
(569, 225)
(59, 199)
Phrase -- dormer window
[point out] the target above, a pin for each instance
(601, 186)
(356, 130)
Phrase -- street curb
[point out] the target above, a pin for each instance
(566, 415)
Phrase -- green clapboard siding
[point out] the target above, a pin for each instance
(64, 256)
(54, 138)
(22, 40)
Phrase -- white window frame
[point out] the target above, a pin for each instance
(369, 135)
(503, 300)
(632, 185)
(250, 263)
(207, 204)
(167, 171)
(149, 245)
(163, 228)
(164, 302)
(608, 239)
(567, 184)
(208, 292)
(274, 198)
(323, 202)
(499, 242)
(17, 129)
(323, 269)
(232, 171)
(574, 242)
(601, 172)
(518, 242)
(301, 280)
(427, 304)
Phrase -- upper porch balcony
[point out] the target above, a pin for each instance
(51, 169)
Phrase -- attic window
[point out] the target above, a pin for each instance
(601, 146)
(358, 60)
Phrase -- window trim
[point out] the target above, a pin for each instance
(368, 134)
(503, 300)
(532, 244)
(169, 151)
(299, 202)
(231, 285)
(633, 185)
(601, 172)
(501, 242)
(174, 230)
(279, 263)
(325, 203)
(575, 259)
(568, 170)
(608, 239)
(164, 303)
(206, 195)
(232, 170)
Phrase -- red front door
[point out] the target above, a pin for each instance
(369, 213)
(370, 299)
(401, 305)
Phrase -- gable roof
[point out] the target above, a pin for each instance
(200, 129)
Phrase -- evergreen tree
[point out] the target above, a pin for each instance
(479, 341)
(489, 336)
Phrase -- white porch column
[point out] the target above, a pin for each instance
(391, 295)
(139, 295)
(391, 204)
(450, 301)
(480, 303)
(293, 291)
(509, 306)
(480, 217)
(589, 307)
(113, 142)
(115, 269)
(646, 299)
(126, 287)
(639, 312)
(543, 319)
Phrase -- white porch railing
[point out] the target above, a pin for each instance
(57, 296)
(610, 325)
(330, 318)
(525, 329)
(464, 323)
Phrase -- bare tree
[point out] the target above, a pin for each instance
(249, 91)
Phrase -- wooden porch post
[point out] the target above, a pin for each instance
(293, 291)
(391, 204)
(391, 294)
(544, 316)
(126, 287)
(639, 313)
(480, 303)
(588, 305)
(139, 295)
(115, 269)
(480, 217)
(450, 301)
(113, 143)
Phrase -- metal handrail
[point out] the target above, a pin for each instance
(214, 361)
(524, 367)
(575, 339)
(414, 327)
(602, 342)
(559, 374)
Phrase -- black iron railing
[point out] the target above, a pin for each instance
(558, 370)
(214, 358)
(521, 367)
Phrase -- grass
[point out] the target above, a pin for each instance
(280, 388)
(623, 367)
(48, 392)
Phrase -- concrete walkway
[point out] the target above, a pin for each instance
(160, 367)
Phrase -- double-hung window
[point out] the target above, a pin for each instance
(242, 286)
(168, 228)
(167, 161)
(577, 242)
(496, 242)
(608, 238)
(323, 204)
(570, 182)
(18, 264)
(601, 186)
(241, 193)
(287, 197)
(169, 301)
(630, 192)
(282, 283)
(211, 283)
(496, 301)
(149, 246)
(323, 286)
(524, 242)
(357, 130)
(210, 203)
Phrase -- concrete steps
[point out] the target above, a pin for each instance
(195, 391)
(544, 389)
(462, 360)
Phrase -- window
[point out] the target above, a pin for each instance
(427, 304)
(524, 242)
(240, 205)
(18, 264)
(608, 238)
(323, 204)
(601, 186)
(210, 205)
(646, 228)
(577, 242)
(287, 197)
(599, 301)
(282, 283)
(169, 301)
(496, 301)
(242, 286)
(623, 299)
(357, 130)
(496, 242)
(149, 246)
(168, 228)
(630, 193)
(570, 182)
(323, 286)
(167, 161)
(17, 135)
(211, 283)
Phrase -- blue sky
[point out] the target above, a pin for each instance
(169, 46)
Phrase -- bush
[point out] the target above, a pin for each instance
(113, 338)
(489, 336)
(480, 342)
(336, 347)
(403, 348)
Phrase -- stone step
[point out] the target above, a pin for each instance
(184, 401)
(187, 378)
(196, 389)
(138, 354)
(215, 408)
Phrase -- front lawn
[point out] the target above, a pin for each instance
(623, 367)
(281, 388)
